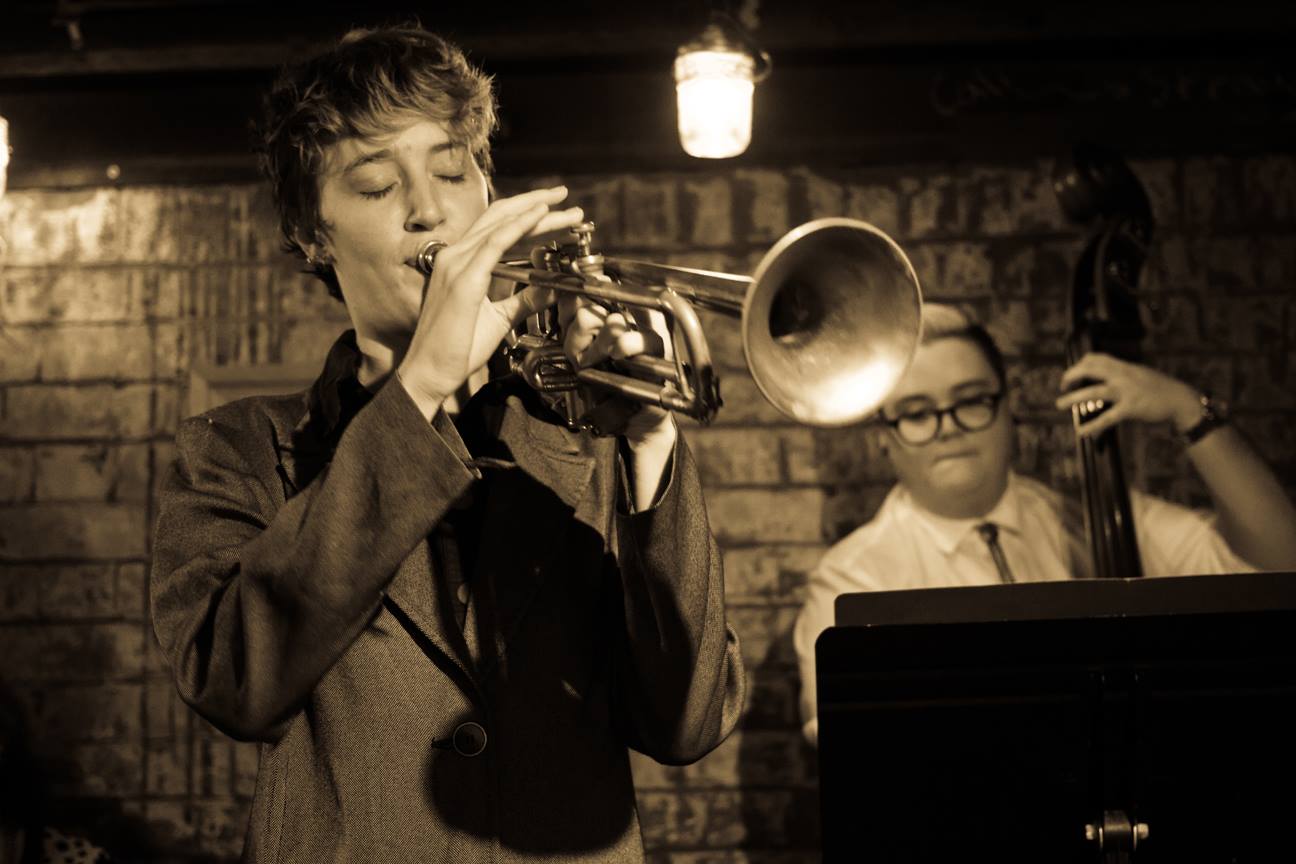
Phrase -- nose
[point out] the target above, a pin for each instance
(946, 427)
(424, 211)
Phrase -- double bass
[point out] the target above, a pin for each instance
(1096, 188)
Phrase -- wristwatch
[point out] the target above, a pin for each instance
(1214, 414)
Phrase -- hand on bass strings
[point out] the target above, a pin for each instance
(1121, 390)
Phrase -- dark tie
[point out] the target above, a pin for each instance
(990, 534)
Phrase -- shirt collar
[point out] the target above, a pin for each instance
(948, 533)
(337, 395)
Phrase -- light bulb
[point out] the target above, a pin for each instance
(713, 88)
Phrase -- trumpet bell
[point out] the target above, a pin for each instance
(831, 321)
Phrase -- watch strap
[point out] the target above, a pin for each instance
(1213, 416)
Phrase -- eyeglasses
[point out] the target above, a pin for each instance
(922, 425)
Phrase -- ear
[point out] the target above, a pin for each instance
(316, 253)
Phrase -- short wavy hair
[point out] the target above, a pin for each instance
(943, 321)
(370, 82)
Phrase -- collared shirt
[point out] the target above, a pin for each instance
(906, 546)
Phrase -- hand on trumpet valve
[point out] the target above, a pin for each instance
(594, 334)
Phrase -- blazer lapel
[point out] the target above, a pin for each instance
(424, 598)
(424, 603)
(531, 501)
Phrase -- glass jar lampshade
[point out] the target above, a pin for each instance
(715, 78)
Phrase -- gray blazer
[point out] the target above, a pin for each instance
(299, 603)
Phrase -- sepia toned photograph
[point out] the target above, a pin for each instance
(691, 432)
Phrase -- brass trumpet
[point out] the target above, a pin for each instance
(830, 321)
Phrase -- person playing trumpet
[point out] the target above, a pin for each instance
(444, 632)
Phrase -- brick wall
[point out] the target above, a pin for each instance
(109, 297)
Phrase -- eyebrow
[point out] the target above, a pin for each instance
(974, 385)
(386, 153)
(957, 391)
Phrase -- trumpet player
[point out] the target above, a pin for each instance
(445, 633)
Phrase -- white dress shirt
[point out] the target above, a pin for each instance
(906, 546)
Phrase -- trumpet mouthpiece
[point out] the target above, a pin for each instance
(425, 258)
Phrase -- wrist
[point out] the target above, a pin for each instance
(1188, 410)
(657, 438)
(648, 459)
(426, 399)
(1210, 415)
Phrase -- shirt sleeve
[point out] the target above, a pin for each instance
(828, 580)
(1179, 541)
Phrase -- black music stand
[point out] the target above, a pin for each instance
(1143, 720)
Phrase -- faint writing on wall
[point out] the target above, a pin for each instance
(992, 88)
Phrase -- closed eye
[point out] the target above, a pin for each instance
(379, 193)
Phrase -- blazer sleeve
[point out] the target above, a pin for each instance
(680, 686)
(252, 601)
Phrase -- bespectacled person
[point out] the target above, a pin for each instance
(959, 515)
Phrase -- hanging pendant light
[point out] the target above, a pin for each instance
(715, 77)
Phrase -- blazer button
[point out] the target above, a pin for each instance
(469, 739)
